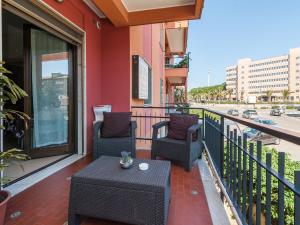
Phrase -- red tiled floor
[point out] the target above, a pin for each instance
(46, 203)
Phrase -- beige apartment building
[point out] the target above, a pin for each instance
(256, 78)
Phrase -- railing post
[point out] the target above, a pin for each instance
(258, 183)
(222, 147)
(239, 165)
(268, 189)
(297, 198)
(245, 156)
(234, 165)
(222, 152)
(230, 164)
(250, 199)
(227, 155)
(281, 168)
(204, 125)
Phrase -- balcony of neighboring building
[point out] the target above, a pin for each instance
(177, 66)
(176, 70)
(176, 38)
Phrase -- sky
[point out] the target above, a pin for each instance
(58, 66)
(234, 29)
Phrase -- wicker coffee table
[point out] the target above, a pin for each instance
(104, 190)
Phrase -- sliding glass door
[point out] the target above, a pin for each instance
(50, 86)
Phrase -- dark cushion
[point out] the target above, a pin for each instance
(179, 125)
(116, 124)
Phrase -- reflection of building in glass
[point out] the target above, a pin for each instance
(55, 89)
(58, 81)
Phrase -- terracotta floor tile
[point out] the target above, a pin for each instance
(46, 203)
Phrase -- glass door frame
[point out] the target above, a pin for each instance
(1, 121)
(28, 140)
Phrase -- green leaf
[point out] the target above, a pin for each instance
(10, 91)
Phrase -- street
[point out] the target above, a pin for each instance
(284, 121)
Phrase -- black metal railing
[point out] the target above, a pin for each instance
(262, 185)
(147, 116)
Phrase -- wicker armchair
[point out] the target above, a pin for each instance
(113, 146)
(183, 151)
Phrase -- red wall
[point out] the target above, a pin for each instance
(115, 66)
(107, 59)
(81, 15)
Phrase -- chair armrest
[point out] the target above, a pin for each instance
(96, 127)
(133, 128)
(157, 126)
(96, 136)
(193, 129)
(160, 124)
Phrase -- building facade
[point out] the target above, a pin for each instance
(70, 56)
(266, 78)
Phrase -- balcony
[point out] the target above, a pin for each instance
(176, 73)
(177, 67)
(255, 182)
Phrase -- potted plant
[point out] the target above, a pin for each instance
(5, 157)
(126, 160)
(9, 92)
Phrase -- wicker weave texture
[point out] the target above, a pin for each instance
(104, 190)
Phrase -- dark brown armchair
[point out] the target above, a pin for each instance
(183, 151)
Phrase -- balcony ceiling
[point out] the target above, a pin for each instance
(176, 40)
(140, 5)
(138, 12)
(176, 81)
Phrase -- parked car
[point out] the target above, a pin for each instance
(280, 108)
(233, 112)
(265, 121)
(256, 135)
(275, 112)
(250, 114)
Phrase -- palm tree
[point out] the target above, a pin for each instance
(214, 95)
(208, 93)
(269, 94)
(285, 94)
(179, 95)
(230, 92)
(242, 95)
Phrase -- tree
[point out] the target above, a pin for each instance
(285, 94)
(242, 95)
(208, 93)
(184, 63)
(269, 94)
(179, 95)
(230, 92)
(220, 94)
